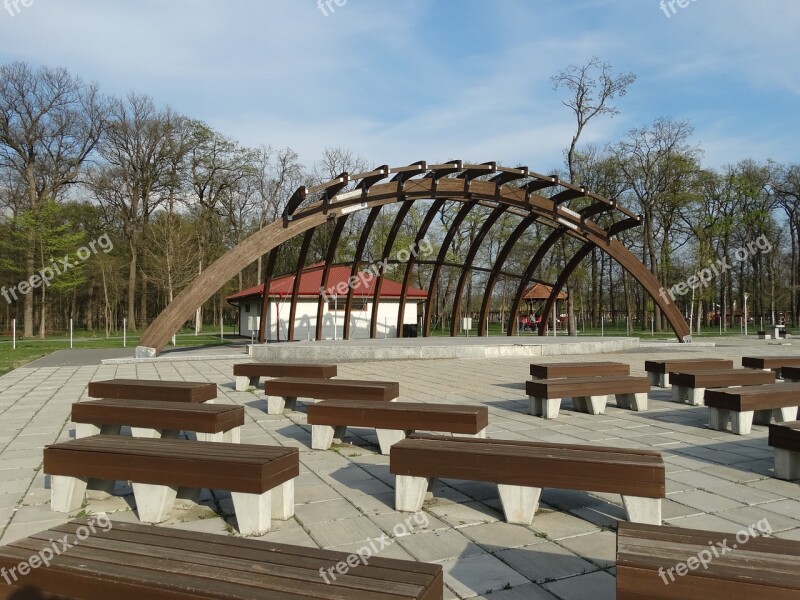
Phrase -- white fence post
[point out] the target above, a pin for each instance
(221, 328)
(70, 333)
(13, 334)
(124, 333)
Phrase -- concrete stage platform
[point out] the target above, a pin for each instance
(437, 347)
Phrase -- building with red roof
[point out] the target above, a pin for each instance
(334, 296)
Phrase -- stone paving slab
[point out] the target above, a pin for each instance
(345, 496)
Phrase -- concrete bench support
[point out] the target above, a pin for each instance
(643, 510)
(545, 407)
(787, 464)
(594, 405)
(687, 395)
(322, 436)
(67, 493)
(519, 502)
(658, 379)
(244, 382)
(277, 404)
(154, 502)
(637, 402)
(742, 421)
(410, 492)
(254, 512)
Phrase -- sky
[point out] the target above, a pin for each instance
(401, 81)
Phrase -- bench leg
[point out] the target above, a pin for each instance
(679, 394)
(643, 510)
(545, 407)
(275, 405)
(187, 497)
(637, 402)
(787, 464)
(519, 502)
(241, 382)
(658, 379)
(283, 501)
(409, 493)
(66, 493)
(83, 430)
(718, 418)
(154, 502)
(594, 405)
(232, 436)
(148, 432)
(100, 489)
(762, 417)
(322, 436)
(387, 437)
(787, 413)
(742, 422)
(253, 512)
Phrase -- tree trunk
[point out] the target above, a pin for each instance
(132, 288)
(143, 302)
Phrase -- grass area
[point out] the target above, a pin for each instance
(496, 329)
(30, 349)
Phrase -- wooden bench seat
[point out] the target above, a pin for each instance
(589, 394)
(790, 374)
(283, 392)
(393, 421)
(770, 363)
(785, 439)
(211, 422)
(744, 406)
(259, 478)
(658, 370)
(690, 388)
(577, 369)
(154, 389)
(133, 561)
(249, 374)
(655, 563)
(521, 469)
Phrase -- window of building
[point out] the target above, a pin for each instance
(341, 304)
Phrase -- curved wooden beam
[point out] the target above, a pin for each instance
(497, 269)
(362, 244)
(467, 266)
(573, 263)
(268, 272)
(387, 250)
(330, 257)
(301, 264)
(468, 188)
(541, 252)
(437, 268)
(423, 231)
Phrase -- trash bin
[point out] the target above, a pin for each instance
(410, 330)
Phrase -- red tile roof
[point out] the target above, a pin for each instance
(311, 281)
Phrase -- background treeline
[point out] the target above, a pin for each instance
(174, 195)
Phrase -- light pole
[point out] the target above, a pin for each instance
(745, 313)
(719, 318)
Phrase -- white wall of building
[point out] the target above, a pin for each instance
(306, 319)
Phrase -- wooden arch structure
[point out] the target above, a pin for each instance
(473, 185)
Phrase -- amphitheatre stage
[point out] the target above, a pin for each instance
(437, 348)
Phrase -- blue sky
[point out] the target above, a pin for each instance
(433, 80)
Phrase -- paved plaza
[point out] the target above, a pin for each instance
(345, 496)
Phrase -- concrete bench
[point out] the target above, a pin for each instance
(658, 370)
(577, 369)
(283, 392)
(211, 422)
(656, 562)
(689, 388)
(785, 438)
(249, 374)
(744, 406)
(393, 421)
(259, 478)
(770, 363)
(128, 560)
(589, 394)
(154, 389)
(521, 469)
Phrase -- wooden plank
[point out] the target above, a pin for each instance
(687, 364)
(332, 389)
(721, 378)
(323, 371)
(184, 416)
(587, 386)
(760, 397)
(131, 561)
(400, 415)
(245, 468)
(785, 435)
(759, 567)
(770, 362)
(153, 389)
(586, 468)
(597, 368)
(789, 372)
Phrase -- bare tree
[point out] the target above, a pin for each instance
(50, 121)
